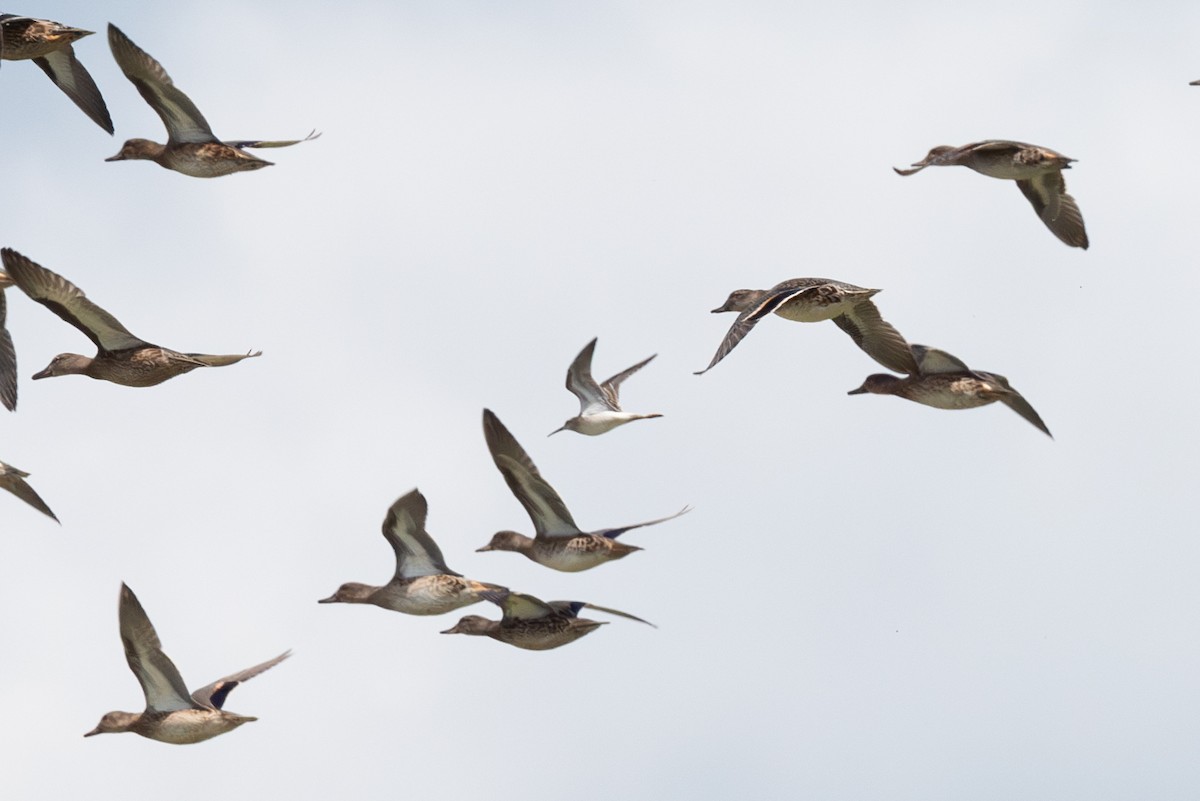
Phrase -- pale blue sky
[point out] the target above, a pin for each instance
(871, 600)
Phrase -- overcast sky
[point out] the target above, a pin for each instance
(871, 600)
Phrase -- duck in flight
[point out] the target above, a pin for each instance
(191, 147)
(423, 584)
(172, 715)
(121, 357)
(1037, 171)
(812, 300)
(945, 382)
(533, 624)
(558, 543)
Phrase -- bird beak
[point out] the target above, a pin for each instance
(860, 391)
(117, 157)
(555, 431)
(43, 374)
(484, 548)
(93, 731)
(332, 599)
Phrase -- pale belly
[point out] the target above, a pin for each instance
(422, 597)
(580, 553)
(803, 310)
(191, 726)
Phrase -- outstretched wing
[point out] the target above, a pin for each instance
(213, 695)
(416, 552)
(68, 301)
(179, 114)
(164, 688)
(544, 506)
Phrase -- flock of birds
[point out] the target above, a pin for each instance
(423, 584)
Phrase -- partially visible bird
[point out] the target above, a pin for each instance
(559, 543)
(423, 584)
(599, 405)
(191, 147)
(171, 714)
(13, 480)
(121, 357)
(812, 300)
(8, 354)
(533, 624)
(1037, 171)
(48, 44)
(945, 382)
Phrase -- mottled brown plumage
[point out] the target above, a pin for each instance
(812, 300)
(48, 44)
(121, 357)
(172, 715)
(191, 147)
(533, 624)
(423, 584)
(1037, 171)
(559, 543)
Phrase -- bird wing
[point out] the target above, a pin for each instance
(260, 143)
(179, 114)
(68, 301)
(8, 361)
(746, 321)
(70, 76)
(13, 480)
(214, 695)
(164, 688)
(592, 398)
(931, 361)
(1047, 193)
(572, 608)
(1016, 401)
(877, 338)
(545, 508)
(613, 533)
(416, 552)
(612, 387)
(518, 605)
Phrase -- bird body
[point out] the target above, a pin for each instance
(121, 357)
(1037, 171)
(814, 300)
(599, 404)
(559, 543)
(191, 148)
(172, 715)
(423, 584)
(945, 382)
(533, 624)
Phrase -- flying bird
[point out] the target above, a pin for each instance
(423, 584)
(171, 714)
(812, 300)
(599, 405)
(13, 480)
(121, 357)
(48, 44)
(533, 624)
(945, 382)
(559, 543)
(191, 147)
(1037, 171)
